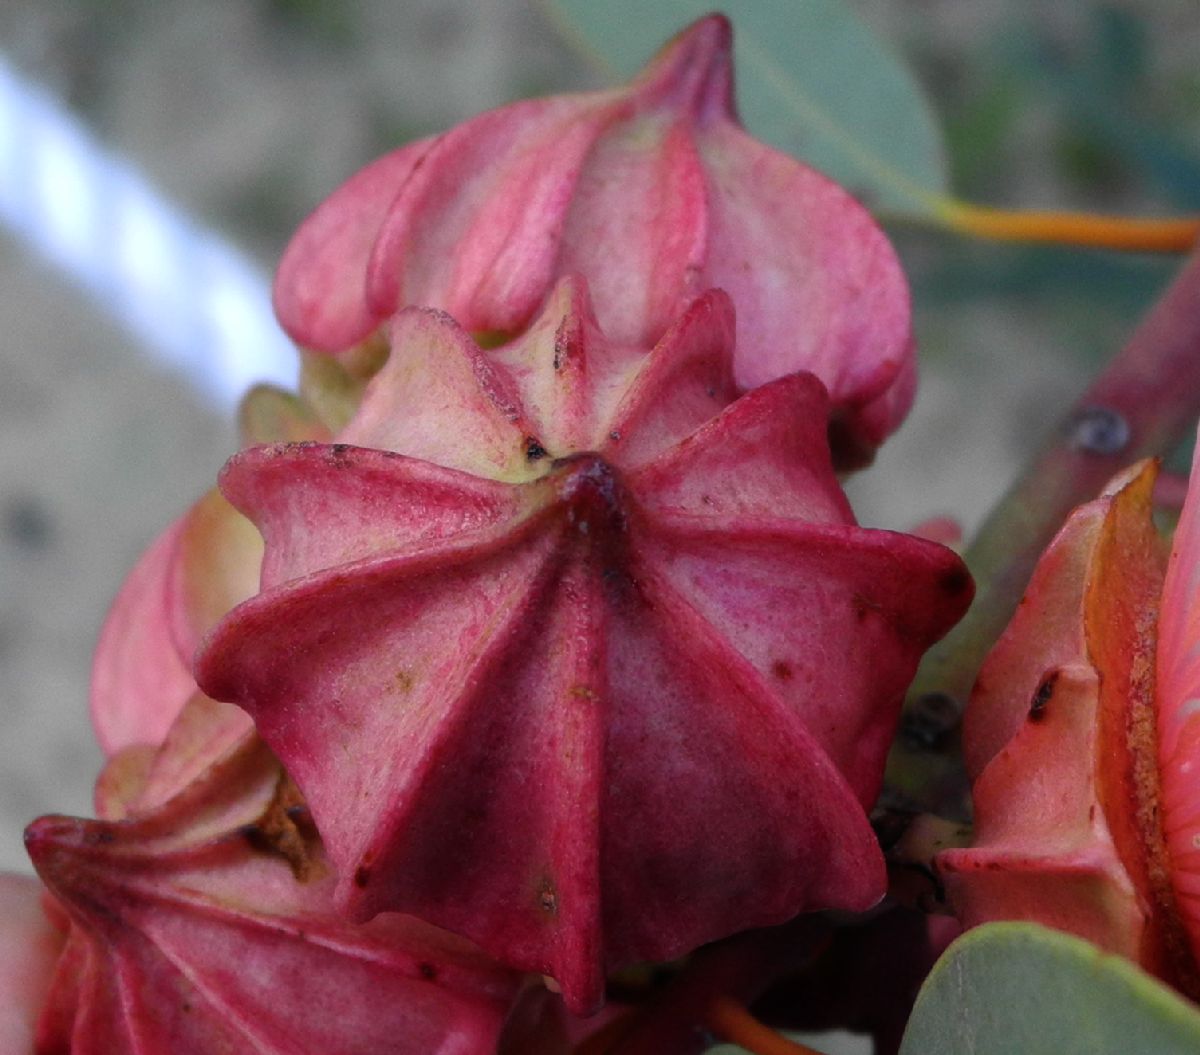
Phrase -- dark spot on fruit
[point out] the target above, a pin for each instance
(534, 451)
(547, 898)
(863, 606)
(954, 580)
(783, 671)
(1041, 697)
(362, 876)
(927, 723)
(339, 455)
(1098, 430)
(615, 436)
(427, 971)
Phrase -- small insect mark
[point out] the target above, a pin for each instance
(1041, 697)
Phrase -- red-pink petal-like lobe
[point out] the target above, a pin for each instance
(139, 680)
(319, 292)
(336, 490)
(191, 932)
(581, 391)
(643, 198)
(779, 429)
(742, 767)
(816, 283)
(1178, 709)
(680, 387)
(1043, 850)
(1046, 633)
(803, 604)
(475, 229)
(29, 948)
(440, 398)
(652, 193)
(201, 566)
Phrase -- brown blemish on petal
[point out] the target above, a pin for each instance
(362, 874)
(278, 829)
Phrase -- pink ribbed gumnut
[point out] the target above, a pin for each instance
(1062, 740)
(654, 193)
(201, 922)
(574, 651)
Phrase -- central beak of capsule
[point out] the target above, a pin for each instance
(591, 494)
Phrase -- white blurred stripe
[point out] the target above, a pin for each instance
(187, 294)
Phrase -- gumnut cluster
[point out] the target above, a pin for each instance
(554, 644)
(1083, 740)
(654, 193)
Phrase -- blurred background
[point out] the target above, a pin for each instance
(245, 113)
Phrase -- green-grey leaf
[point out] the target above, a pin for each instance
(812, 79)
(1019, 987)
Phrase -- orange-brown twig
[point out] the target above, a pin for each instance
(732, 1022)
(1069, 228)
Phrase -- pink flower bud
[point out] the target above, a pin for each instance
(201, 922)
(654, 193)
(1086, 795)
(575, 652)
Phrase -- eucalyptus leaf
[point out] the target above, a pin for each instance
(1019, 987)
(812, 79)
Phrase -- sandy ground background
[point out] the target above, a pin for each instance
(246, 113)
